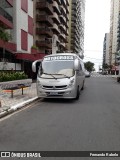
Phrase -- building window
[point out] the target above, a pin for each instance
(24, 5)
(10, 2)
(24, 40)
(30, 25)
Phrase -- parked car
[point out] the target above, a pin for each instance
(87, 73)
(104, 73)
(118, 79)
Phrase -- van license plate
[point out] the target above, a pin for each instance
(53, 93)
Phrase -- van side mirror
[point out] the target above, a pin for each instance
(34, 65)
(76, 64)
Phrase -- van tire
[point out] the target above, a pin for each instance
(83, 86)
(77, 94)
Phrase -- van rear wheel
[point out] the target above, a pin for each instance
(83, 86)
(77, 94)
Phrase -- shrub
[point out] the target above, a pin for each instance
(34, 47)
(10, 76)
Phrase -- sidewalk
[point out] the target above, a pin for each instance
(18, 100)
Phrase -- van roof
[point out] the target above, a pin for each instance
(59, 54)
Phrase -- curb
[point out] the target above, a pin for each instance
(16, 107)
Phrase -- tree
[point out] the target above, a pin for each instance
(6, 37)
(105, 66)
(89, 66)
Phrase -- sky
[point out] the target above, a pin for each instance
(97, 23)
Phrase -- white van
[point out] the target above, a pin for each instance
(60, 76)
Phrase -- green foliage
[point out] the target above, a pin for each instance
(105, 66)
(34, 47)
(10, 76)
(89, 66)
(4, 35)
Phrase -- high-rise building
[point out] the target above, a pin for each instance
(106, 42)
(114, 19)
(77, 27)
(51, 25)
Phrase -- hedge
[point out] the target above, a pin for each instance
(10, 76)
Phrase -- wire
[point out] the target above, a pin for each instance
(93, 58)
(93, 51)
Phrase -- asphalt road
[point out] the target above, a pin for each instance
(90, 124)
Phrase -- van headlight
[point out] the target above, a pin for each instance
(39, 84)
(72, 82)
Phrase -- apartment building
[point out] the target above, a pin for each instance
(106, 42)
(16, 16)
(77, 27)
(51, 25)
(114, 33)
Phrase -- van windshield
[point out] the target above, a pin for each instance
(56, 69)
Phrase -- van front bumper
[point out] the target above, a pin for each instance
(66, 93)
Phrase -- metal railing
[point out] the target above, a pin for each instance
(6, 15)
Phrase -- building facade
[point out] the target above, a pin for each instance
(16, 17)
(114, 21)
(51, 25)
(106, 43)
(77, 27)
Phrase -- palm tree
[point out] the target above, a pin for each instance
(6, 37)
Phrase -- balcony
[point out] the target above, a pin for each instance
(73, 42)
(44, 31)
(62, 44)
(74, 8)
(44, 6)
(44, 44)
(63, 29)
(67, 2)
(63, 10)
(67, 25)
(63, 19)
(63, 38)
(63, 3)
(56, 8)
(73, 25)
(74, 14)
(73, 19)
(6, 19)
(74, 2)
(55, 29)
(44, 19)
(73, 36)
(55, 18)
(49, 1)
(67, 10)
(58, 1)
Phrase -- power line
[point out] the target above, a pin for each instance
(93, 51)
(93, 58)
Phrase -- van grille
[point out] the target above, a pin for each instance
(55, 87)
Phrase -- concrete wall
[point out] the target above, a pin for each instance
(10, 66)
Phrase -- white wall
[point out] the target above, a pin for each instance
(10, 66)
(30, 8)
(21, 22)
(30, 42)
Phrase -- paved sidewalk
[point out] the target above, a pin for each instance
(29, 94)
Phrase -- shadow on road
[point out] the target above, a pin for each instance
(58, 100)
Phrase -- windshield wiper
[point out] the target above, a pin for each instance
(62, 74)
(50, 75)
